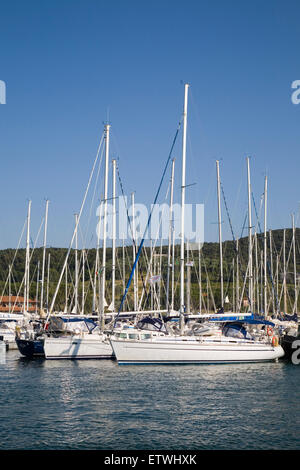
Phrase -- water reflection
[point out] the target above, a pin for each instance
(94, 404)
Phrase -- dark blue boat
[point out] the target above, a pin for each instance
(31, 347)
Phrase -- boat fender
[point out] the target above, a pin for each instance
(274, 341)
(269, 331)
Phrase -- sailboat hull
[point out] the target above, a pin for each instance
(76, 347)
(31, 347)
(164, 351)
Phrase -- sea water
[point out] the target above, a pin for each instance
(97, 404)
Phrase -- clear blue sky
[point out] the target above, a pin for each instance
(68, 65)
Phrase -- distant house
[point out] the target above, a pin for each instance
(15, 304)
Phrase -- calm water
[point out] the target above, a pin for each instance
(90, 405)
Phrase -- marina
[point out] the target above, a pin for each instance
(152, 339)
(150, 230)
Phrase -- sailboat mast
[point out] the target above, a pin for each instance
(9, 288)
(238, 304)
(113, 268)
(250, 237)
(170, 234)
(188, 280)
(26, 283)
(123, 264)
(271, 270)
(107, 128)
(48, 280)
(284, 275)
(134, 254)
(182, 307)
(66, 289)
(37, 287)
(265, 248)
(294, 256)
(220, 233)
(44, 254)
(83, 281)
(200, 281)
(76, 265)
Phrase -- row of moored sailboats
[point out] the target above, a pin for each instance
(141, 337)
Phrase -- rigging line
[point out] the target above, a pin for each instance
(94, 193)
(120, 271)
(243, 227)
(132, 235)
(13, 260)
(129, 221)
(152, 252)
(238, 196)
(148, 222)
(75, 229)
(268, 263)
(30, 258)
(257, 218)
(237, 250)
(286, 272)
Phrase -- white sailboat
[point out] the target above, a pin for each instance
(148, 347)
(79, 342)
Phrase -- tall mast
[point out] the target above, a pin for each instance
(83, 280)
(277, 284)
(256, 275)
(233, 285)
(76, 266)
(182, 308)
(220, 234)
(113, 268)
(37, 287)
(173, 269)
(200, 281)
(284, 275)
(48, 280)
(250, 237)
(26, 283)
(265, 248)
(66, 289)
(188, 279)
(238, 306)
(107, 128)
(295, 271)
(44, 255)
(97, 275)
(170, 234)
(123, 266)
(135, 296)
(9, 288)
(271, 270)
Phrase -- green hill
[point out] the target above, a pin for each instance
(210, 272)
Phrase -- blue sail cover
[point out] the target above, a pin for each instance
(154, 324)
(236, 330)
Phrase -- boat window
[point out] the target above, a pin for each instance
(123, 335)
(133, 336)
(146, 336)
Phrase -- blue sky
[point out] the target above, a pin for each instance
(71, 65)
